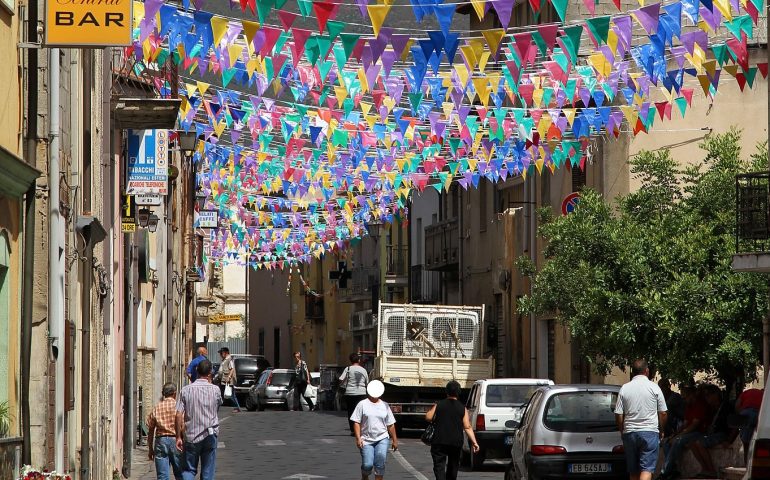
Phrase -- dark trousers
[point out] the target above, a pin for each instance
(350, 402)
(446, 461)
(299, 389)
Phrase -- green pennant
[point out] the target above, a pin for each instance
(301, 109)
(547, 95)
(571, 41)
(720, 53)
(279, 4)
(282, 39)
(347, 106)
(349, 41)
(227, 76)
(339, 56)
(324, 45)
(334, 27)
(760, 4)
(454, 143)
(269, 70)
(681, 103)
(263, 9)
(311, 51)
(340, 138)
(415, 99)
(599, 28)
(540, 42)
(561, 8)
(750, 75)
(305, 7)
(323, 69)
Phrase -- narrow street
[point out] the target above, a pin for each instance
(274, 445)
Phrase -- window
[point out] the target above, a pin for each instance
(277, 347)
(5, 307)
(509, 395)
(578, 179)
(281, 378)
(483, 205)
(581, 412)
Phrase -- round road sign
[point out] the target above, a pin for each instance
(570, 202)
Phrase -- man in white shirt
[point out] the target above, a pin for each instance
(375, 430)
(641, 417)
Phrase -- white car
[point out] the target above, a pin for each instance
(759, 451)
(312, 392)
(491, 403)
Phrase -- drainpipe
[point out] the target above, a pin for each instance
(55, 260)
(529, 187)
(29, 231)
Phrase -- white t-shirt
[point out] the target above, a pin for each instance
(639, 402)
(375, 418)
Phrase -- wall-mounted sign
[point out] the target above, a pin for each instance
(148, 200)
(147, 170)
(570, 203)
(225, 318)
(88, 23)
(207, 219)
(127, 219)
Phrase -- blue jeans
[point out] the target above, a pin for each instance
(751, 415)
(675, 448)
(373, 456)
(641, 451)
(206, 452)
(166, 455)
(234, 399)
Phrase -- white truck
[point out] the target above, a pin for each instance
(420, 348)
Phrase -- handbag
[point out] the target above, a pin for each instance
(228, 391)
(428, 434)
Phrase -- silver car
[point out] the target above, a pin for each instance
(271, 388)
(568, 431)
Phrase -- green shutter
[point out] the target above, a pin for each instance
(5, 306)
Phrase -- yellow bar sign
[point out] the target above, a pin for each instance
(88, 23)
(225, 318)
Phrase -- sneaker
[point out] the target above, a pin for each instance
(236, 410)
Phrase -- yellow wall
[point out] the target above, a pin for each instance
(10, 79)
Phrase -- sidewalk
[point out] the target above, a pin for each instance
(141, 466)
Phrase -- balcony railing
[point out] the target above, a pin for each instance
(426, 285)
(398, 258)
(441, 245)
(752, 213)
(314, 307)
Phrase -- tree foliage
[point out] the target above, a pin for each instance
(649, 274)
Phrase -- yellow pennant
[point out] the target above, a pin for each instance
(479, 6)
(219, 28)
(377, 15)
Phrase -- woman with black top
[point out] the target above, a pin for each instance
(449, 419)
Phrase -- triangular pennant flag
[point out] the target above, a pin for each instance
(377, 15)
(599, 27)
(287, 19)
(323, 10)
(493, 38)
(561, 8)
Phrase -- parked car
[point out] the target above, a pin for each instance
(490, 404)
(271, 389)
(568, 431)
(312, 392)
(248, 368)
(759, 450)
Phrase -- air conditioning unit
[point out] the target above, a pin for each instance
(362, 320)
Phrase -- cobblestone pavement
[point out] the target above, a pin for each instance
(276, 445)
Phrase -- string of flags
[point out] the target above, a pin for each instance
(316, 129)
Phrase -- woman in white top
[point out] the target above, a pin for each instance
(354, 380)
(375, 430)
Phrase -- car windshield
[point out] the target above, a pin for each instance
(281, 378)
(509, 395)
(581, 412)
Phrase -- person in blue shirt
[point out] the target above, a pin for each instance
(192, 368)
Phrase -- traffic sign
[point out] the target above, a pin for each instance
(570, 202)
(225, 318)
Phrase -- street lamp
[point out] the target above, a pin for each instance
(187, 142)
(152, 223)
(374, 228)
(143, 217)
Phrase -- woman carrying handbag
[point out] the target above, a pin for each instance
(449, 419)
(354, 380)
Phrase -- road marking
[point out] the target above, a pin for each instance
(408, 466)
(327, 440)
(304, 476)
(271, 443)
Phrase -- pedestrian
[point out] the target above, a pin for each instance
(747, 405)
(354, 380)
(374, 427)
(718, 433)
(197, 424)
(161, 436)
(674, 407)
(450, 419)
(697, 417)
(301, 380)
(192, 372)
(641, 417)
(227, 375)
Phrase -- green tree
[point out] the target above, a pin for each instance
(649, 274)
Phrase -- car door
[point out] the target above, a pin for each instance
(472, 405)
(521, 441)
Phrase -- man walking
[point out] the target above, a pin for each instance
(161, 438)
(641, 417)
(192, 372)
(354, 380)
(197, 424)
(227, 375)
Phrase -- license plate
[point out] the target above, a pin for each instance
(509, 440)
(590, 468)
